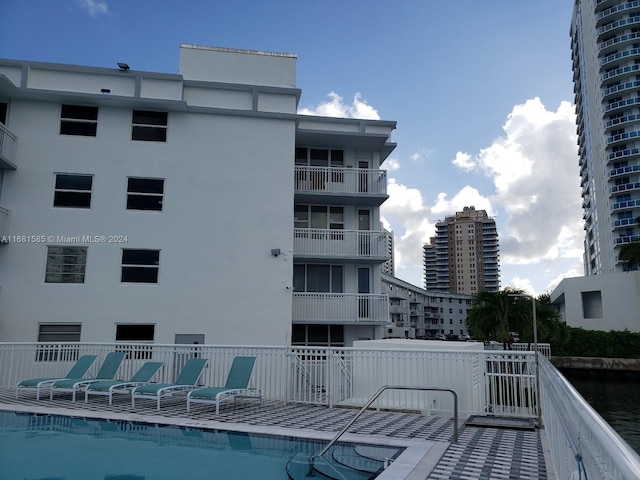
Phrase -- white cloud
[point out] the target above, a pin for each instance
(464, 161)
(94, 7)
(534, 170)
(535, 200)
(337, 108)
(391, 164)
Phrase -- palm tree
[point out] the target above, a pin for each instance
(494, 314)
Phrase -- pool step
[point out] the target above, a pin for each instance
(363, 458)
(343, 462)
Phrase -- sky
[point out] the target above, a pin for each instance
(481, 91)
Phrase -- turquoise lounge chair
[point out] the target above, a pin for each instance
(186, 381)
(107, 371)
(237, 385)
(80, 369)
(142, 377)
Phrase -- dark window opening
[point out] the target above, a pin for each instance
(78, 120)
(145, 194)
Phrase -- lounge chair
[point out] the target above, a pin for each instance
(186, 381)
(142, 377)
(82, 366)
(236, 386)
(107, 371)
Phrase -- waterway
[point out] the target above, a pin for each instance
(615, 396)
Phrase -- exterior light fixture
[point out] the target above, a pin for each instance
(275, 252)
(123, 66)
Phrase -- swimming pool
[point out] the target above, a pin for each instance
(52, 447)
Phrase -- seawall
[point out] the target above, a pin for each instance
(597, 363)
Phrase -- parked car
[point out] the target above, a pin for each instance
(441, 336)
(516, 336)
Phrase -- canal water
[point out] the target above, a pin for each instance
(615, 396)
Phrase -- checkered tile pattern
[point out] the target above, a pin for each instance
(481, 453)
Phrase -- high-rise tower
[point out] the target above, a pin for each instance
(463, 257)
(605, 45)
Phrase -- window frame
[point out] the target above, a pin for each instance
(62, 194)
(155, 130)
(85, 123)
(66, 252)
(58, 353)
(137, 272)
(145, 197)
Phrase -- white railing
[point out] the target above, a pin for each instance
(582, 444)
(341, 307)
(359, 181)
(543, 348)
(29, 360)
(491, 382)
(7, 144)
(340, 243)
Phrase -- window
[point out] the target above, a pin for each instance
(65, 264)
(149, 126)
(57, 333)
(78, 120)
(127, 332)
(318, 335)
(317, 216)
(319, 157)
(145, 193)
(140, 266)
(72, 191)
(317, 278)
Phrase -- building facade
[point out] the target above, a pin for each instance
(463, 257)
(417, 313)
(196, 207)
(605, 45)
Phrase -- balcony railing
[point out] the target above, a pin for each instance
(353, 181)
(356, 244)
(4, 224)
(344, 308)
(7, 148)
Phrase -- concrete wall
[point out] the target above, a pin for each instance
(576, 299)
(228, 201)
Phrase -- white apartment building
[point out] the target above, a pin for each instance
(195, 207)
(464, 256)
(417, 313)
(605, 46)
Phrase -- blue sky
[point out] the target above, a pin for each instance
(481, 91)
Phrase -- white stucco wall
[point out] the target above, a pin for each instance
(228, 201)
(620, 295)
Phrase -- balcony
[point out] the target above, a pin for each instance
(626, 205)
(341, 308)
(619, 25)
(8, 142)
(625, 222)
(627, 239)
(624, 170)
(354, 186)
(349, 245)
(624, 187)
(616, 11)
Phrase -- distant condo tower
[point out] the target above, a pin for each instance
(605, 45)
(463, 257)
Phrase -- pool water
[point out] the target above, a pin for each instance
(39, 447)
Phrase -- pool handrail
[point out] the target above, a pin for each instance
(375, 396)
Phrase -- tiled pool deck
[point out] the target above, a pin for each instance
(481, 453)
